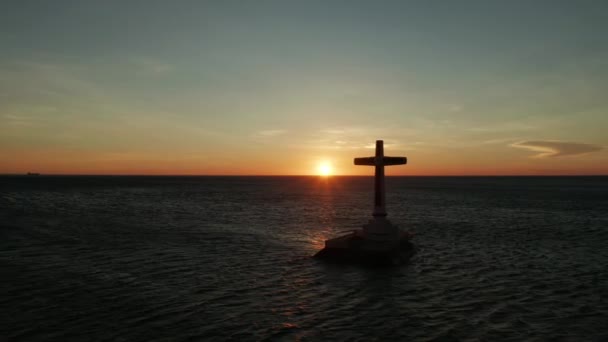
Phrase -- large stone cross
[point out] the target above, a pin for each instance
(379, 161)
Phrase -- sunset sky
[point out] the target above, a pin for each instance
(280, 87)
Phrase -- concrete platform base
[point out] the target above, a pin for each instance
(354, 248)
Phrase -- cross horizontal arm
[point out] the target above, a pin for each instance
(394, 160)
(384, 161)
(365, 161)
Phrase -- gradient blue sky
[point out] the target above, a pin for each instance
(276, 87)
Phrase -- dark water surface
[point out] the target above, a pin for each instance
(217, 258)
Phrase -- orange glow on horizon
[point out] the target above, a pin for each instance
(57, 161)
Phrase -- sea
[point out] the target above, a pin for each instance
(134, 258)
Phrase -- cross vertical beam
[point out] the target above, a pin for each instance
(379, 161)
(379, 190)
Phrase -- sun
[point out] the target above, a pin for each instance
(324, 169)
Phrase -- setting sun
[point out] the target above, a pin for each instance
(324, 169)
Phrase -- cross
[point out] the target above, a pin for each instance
(379, 161)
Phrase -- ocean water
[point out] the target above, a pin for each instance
(229, 258)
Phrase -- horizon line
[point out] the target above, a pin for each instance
(290, 175)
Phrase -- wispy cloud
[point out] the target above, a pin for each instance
(152, 66)
(501, 141)
(503, 127)
(44, 80)
(553, 148)
(19, 120)
(455, 108)
(350, 138)
(333, 131)
(270, 133)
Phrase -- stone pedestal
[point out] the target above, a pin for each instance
(381, 232)
(357, 248)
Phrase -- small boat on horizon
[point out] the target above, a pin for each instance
(33, 174)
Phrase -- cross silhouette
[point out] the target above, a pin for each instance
(380, 161)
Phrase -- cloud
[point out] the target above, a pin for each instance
(351, 138)
(455, 108)
(19, 120)
(152, 66)
(270, 133)
(499, 141)
(553, 148)
(333, 131)
(48, 79)
(503, 127)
